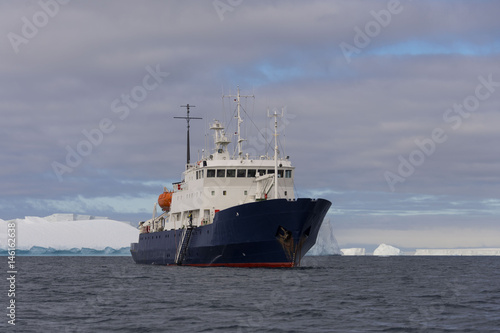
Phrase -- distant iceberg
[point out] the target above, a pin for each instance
(386, 250)
(326, 244)
(69, 234)
(458, 252)
(356, 251)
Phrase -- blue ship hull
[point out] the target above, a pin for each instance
(271, 233)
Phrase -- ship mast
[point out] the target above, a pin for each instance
(188, 118)
(238, 116)
(275, 115)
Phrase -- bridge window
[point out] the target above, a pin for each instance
(221, 173)
(288, 173)
(251, 173)
(270, 171)
(231, 173)
(211, 173)
(262, 172)
(280, 173)
(241, 173)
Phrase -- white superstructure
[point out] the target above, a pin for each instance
(219, 181)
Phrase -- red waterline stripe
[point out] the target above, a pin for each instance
(252, 264)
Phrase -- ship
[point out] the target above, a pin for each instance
(232, 210)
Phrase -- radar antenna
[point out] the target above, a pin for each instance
(188, 118)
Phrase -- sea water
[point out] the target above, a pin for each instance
(326, 294)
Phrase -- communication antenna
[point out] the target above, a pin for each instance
(275, 115)
(238, 116)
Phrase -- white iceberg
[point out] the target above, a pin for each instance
(386, 250)
(355, 251)
(458, 252)
(36, 235)
(326, 244)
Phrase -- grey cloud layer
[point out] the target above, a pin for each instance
(354, 119)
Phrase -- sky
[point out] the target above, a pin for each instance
(392, 108)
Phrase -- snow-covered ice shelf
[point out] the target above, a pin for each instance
(458, 252)
(70, 234)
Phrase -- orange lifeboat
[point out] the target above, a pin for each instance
(165, 200)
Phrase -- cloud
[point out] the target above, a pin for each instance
(354, 119)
